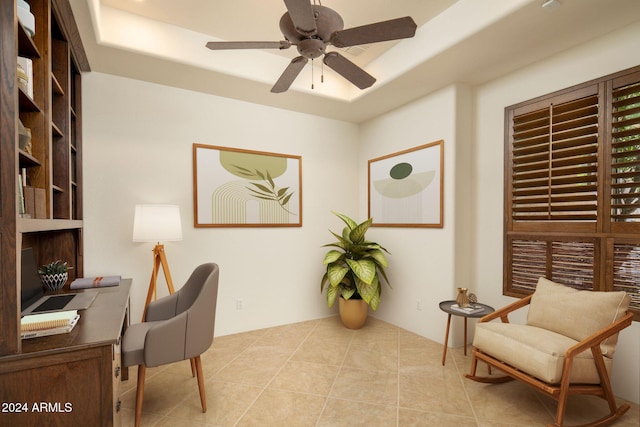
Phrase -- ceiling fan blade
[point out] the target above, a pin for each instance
(289, 75)
(302, 15)
(394, 29)
(349, 70)
(283, 44)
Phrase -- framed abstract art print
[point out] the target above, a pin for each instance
(243, 188)
(406, 188)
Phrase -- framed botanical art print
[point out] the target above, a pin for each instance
(243, 188)
(406, 188)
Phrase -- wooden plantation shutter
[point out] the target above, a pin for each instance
(564, 261)
(555, 160)
(572, 188)
(625, 153)
(626, 271)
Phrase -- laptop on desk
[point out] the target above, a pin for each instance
(35, 300)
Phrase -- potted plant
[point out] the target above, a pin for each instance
(54, 275)
(354, 271)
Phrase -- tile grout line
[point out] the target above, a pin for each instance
(326, 401)
(163, 417)
(315, 326)
(464, 387)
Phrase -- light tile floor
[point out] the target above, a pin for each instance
(318, 373)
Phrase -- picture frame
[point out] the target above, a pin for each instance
(406, 188)
(234, 187)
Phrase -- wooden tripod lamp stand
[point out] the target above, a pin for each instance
(157, 223)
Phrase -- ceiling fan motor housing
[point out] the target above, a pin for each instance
(311, 48)
(328, 21)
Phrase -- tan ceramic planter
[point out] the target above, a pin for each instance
(353, 312)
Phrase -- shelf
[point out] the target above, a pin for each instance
(53, 166)
(26, 47)
(56, 130)
(27, 104)
(56, 87)
(27, 160)
(30, 225)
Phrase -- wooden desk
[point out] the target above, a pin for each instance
(69, 379)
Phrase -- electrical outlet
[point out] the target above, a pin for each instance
(239, 304)
(419, 304)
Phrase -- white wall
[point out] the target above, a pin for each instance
(423, 261)
(614, 52)
(138, 141)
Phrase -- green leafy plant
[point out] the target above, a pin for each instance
(355, 268)
(54, 267)
(268, 190)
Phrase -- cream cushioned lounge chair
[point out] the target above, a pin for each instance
(566, 346)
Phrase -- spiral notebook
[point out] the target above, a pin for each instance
(39, 325)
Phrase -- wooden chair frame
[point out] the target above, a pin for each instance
(560, 392)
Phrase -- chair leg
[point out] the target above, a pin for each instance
(193, 367)
(203, 399)
(140, 393)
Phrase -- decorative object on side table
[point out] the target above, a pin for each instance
(54, 275)
(463, 298)
(473, 299)
(353, 272)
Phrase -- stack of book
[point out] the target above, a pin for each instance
(40, 325)
(470, 309)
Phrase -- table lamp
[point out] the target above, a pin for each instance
(157, 223)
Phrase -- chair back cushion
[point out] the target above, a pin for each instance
(201, 311)
(574, 313)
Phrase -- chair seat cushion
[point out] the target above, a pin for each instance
(133, 343)
(536, 351)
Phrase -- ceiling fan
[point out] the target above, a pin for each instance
(312, 28)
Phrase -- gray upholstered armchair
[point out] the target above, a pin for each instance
(177, 327)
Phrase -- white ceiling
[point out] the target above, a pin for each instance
(469, 41)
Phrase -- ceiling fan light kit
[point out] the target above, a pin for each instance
(313, 28)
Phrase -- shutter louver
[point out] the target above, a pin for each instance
(626, 271)
(531, 166)
(566, 262)
(555, 162)
(572, 264)
(529, 263)
(625, 162)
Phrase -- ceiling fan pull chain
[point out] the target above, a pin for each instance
(312, 67)
(322, 72)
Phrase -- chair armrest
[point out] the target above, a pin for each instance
(503, 313)
(596, 339)
(165, 342)
(162, 309)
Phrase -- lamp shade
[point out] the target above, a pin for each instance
(157, 223)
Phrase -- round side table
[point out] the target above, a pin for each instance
(446, 307)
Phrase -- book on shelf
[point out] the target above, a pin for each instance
(40, 325)
(471, 309)
(95, 282)
(27, 66)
